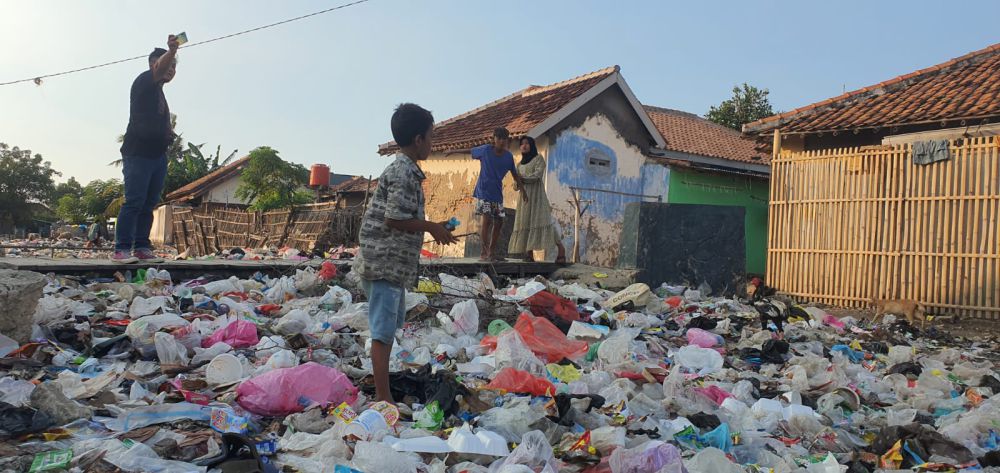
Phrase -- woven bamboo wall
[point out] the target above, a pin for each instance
(849, 225)
(212, 228)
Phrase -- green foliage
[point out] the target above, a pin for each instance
(268, 182)
(98, 199)
(71, 187)
(748, 104)
(192, 164)
(24, 178)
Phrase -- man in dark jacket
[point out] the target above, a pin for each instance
(144, 156)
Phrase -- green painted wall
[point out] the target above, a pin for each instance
(695, 187)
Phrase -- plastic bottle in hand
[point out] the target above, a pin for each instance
(452, 224)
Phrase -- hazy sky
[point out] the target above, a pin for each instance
(322, 89)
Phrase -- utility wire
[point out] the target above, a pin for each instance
(38, 79)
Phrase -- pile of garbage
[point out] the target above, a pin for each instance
(273, 374)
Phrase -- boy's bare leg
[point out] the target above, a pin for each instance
(380, 370)
(485, 230)
(495, 234)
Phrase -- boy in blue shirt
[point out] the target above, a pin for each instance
(495, 161)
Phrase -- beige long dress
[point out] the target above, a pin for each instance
(533, 228)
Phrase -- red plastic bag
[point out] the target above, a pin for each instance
(714, 394)
(674, 301)
(288, 390)
(547, 304)
(517, 381)
(544, 339)
(327, 271)
(238, 334)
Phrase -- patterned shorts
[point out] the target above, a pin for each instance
(490, 209)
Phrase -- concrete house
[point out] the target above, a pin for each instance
(604, 151)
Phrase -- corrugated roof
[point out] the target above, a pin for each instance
(964, 88)
(203, 185)
(518, 112)
(688, 133)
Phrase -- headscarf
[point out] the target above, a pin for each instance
(527, 157)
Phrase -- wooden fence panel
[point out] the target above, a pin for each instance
(850, 225)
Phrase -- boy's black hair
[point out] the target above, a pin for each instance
(408, 121)
(153, 56)
(501, 132)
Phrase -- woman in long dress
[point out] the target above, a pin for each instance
(533, 225)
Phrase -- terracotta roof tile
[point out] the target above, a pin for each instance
(518, 112)
(962, 88)
(354, 184)
(688, 133)
(201, 186)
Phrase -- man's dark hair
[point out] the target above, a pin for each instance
(408, 121)
(501, 132)
(153, 56)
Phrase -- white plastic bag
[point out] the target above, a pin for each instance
(461, 287)
(374, 456)
(169, 350)
(296, 321)
(465, 315)
(281, 359)
(336, 296)
(704, 361)
(514, 353)
(534, 452)
(142, 306)
(226, 285)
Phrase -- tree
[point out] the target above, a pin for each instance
(192, 165)
(268, 182)
(98, 198)
(748, 104)
(24, 178)
(69, 188)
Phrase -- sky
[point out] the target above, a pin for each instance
(321, 90)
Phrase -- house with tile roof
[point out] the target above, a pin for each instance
(891, 191)
(604, 150)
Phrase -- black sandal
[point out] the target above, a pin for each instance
(239, 455)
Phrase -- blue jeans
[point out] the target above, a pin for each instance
(144, 178)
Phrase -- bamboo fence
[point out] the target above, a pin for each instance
(854, 224)
(211, 228)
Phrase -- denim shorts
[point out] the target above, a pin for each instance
(386, 309)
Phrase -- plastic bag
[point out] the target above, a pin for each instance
(511, 351)
(617, 350)
(547, 304)
(703, 361)
(547, 341)
(281, 359)
(430, 418)
(169, 351)
(608, 438)
(461, 287)
(651, 457)
(511, 420)
(703, 338)
(14, 391)
(142, 306)
(465, 315)
(238, 334)
(289, 390)
(535, 452)
(374, 456)
(712, 460)
(296, 321)
(517, 381)
(562, 373)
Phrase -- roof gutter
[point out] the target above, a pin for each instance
(707, 162)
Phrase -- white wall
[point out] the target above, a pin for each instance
(225, 192)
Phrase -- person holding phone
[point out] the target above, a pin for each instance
(144, 156)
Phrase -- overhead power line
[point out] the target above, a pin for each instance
(37, 79)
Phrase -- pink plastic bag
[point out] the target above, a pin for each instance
(702, 338)
(288, 390)
(714, 394)
(517, 381)
(833, 322)
(238, 334)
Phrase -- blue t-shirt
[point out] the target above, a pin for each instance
(492, 170)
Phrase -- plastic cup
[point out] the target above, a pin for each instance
(223, 369)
